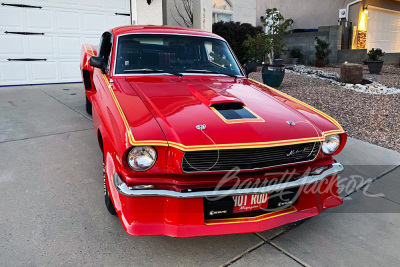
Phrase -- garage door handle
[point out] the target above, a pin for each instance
(25, 33)
(27, 59)
(123, 14)
(21, 5)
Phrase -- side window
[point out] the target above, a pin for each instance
(105, 46)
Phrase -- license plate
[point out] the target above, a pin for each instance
(250, 202)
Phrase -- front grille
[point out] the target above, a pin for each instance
(249, 158)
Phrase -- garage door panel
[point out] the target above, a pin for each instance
(41, 46)
(87, 5)
(94, 22)
(14, 72)
(44, 72)
(119, 5)
(69, 71)
(11, 18)
(69, 45)
(38, 19)
(13, 44)
(114, 21)
(67, 21)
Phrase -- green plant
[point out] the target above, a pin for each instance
(322, 50)
(375, 54)
(276, 27)
(235, 33)
(295, 53)
(257, 47)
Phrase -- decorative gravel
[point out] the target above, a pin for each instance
(368, 117)
(373, 87)
(390, 75)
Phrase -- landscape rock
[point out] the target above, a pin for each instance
(351, 73)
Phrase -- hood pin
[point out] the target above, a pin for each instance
(291, 123)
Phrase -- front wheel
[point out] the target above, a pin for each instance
(109, 204)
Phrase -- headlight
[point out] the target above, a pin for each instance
(331, 144)
(141, 158)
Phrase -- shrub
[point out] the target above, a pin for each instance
(295, 53)
(375, 54)
(257, 47)
(322, 50)
(235, 33)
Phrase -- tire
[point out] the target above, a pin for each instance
(88, 106)
(107, 199)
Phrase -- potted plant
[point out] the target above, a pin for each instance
(295, 54)
(374, 64)
(322, 51)
(276, 26)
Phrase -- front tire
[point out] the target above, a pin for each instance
(107, 199)
(88, 106)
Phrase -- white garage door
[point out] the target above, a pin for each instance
(40, 41)
(383, 30)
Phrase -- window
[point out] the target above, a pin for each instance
(222, 10)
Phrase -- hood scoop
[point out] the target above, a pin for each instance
(210, 96)
(227, 106)
(231, 111)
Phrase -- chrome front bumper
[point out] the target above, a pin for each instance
(123, 189)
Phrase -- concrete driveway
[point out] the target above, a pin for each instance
(52, 205)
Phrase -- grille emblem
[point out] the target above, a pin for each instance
(295, 152)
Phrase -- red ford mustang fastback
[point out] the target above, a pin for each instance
(193, 147)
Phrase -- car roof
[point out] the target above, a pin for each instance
(160, 29)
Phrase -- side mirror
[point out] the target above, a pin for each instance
(98, 62)
(250, 67)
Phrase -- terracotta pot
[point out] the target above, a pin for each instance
(320, 63)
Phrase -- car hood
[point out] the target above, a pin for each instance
(186, 109)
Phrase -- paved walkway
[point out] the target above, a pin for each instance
(52, 207)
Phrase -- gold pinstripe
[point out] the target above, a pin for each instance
(252, 219)
(91, 52)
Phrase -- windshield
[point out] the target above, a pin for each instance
(160, 53)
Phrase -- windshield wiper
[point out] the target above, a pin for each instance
(210, 71)
(147, 70)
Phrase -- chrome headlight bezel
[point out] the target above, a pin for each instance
(141, 158)
(331, 144)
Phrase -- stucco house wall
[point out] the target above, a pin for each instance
(308, 14)
(245, 11)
